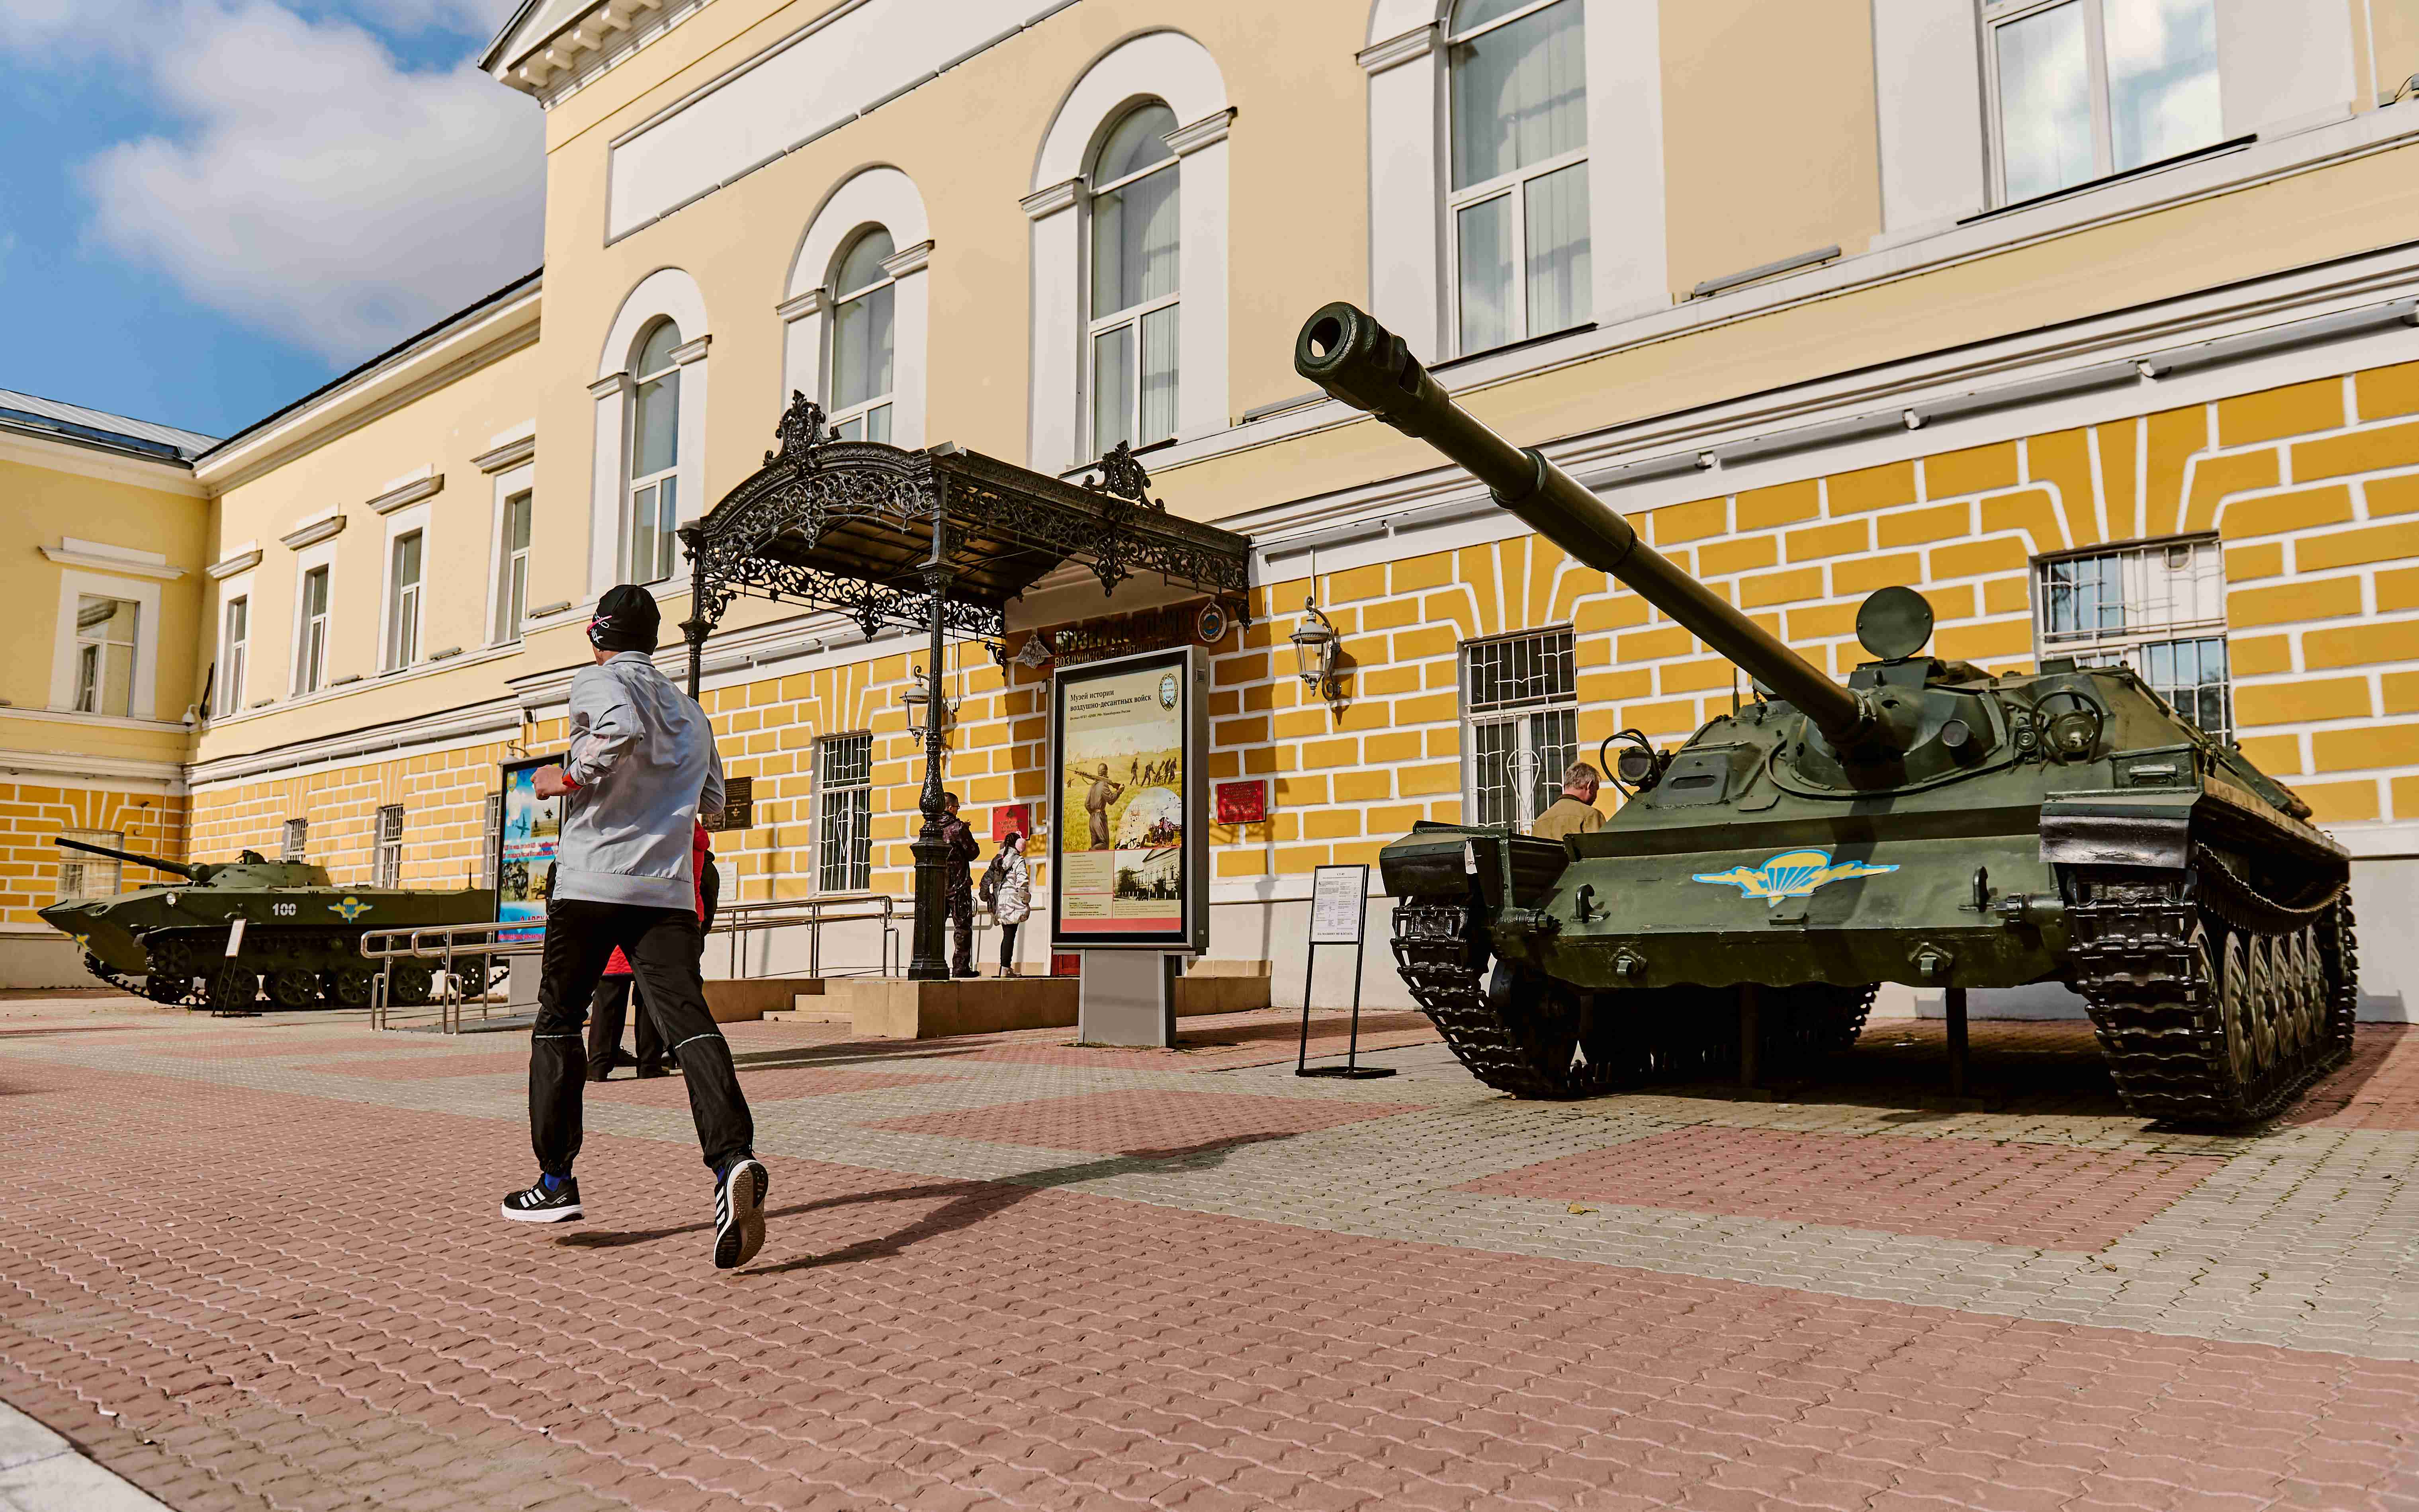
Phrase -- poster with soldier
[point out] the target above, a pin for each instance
(1126, 848)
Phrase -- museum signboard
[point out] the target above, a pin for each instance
(1129, 849)
(526, 839)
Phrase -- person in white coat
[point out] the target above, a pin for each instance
(1008, 888)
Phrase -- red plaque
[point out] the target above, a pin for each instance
(1243, 803)
(1011, 819)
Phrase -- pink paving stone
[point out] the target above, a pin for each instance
(1223, 1041)
(1144, 1123)
(769, 1084)
(2037, 1196)
(2377, 1088)
(413, 1068)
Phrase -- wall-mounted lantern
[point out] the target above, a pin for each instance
(918, 699)
(1313, 652)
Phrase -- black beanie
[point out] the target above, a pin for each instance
(627, 620)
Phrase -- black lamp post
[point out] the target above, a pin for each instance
(930, 961)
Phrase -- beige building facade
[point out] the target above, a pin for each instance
(2089, 318)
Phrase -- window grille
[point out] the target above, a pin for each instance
(297, 839)
(90, 876)
(491, 825)
(2159, 609)
(386, 864)
(1521, 696)
(2084, 88)
(844, 804)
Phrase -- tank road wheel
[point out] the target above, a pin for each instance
(233, 989)
(165, 989)
(347, 988)
(411, 985)
(2208, 1015)
(294, 988)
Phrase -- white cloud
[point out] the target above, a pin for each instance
(306, 184)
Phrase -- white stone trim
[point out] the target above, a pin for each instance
(1171, 67)
(1927, 71)
(101, 557)
(2283, 63)
(314, 529)
(142, 699)
(476, 725)
(42, 450)
(508, 449)
(1398, 50)
(886, 198)
(404, 491)
(79, 770)
(241, 559)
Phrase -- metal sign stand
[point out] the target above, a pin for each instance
(1338, 912)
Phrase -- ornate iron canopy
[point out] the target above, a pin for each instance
(885, 536)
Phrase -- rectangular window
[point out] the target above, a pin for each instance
(386, 864)
(2085, 88)
(311, 649)
(844, 806)
(403, 602)
(2159, 609)
(512, 569)
(297, 839)
(491, 825)
(1518, 204)
(235, 641)
(104, 655)
(1520, 696)
(89, 877)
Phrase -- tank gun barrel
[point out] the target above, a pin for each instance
(175, 869)
(1343, 351)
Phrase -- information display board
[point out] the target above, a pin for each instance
(1129, 844)
(526, 840)
(1338, 904)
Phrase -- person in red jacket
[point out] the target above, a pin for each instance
(611, 1006)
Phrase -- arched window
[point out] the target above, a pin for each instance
(1519, 201)
(654, 458)
(1135, 249)
(864, 334)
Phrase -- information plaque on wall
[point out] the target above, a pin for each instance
(1129, 849)
(738, 806)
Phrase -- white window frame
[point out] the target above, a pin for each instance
(1512, 184)
(402, 624)
(504, 626)
(1165, 66)
(386, 847)
(1515, 714)
(668, 293)
(2000, 13)
(234, 654)
(862, 414)
(293, 839)
(92, 659)
(628, 571)
(1097, 325)
(886, 199)
(2128, 644)
(142, 697)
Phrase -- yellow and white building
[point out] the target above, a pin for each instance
(2090, 319)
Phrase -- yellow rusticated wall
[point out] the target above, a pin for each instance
(32, 812)
(2314, 489)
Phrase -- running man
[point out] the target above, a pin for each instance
(643, 765)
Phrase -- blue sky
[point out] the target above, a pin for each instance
(208, 207)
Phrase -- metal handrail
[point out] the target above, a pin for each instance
(446, 942)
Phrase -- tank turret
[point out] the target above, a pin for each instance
(1929, 824)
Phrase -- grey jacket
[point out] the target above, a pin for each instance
(642, 764)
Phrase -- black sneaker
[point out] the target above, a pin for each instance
(739, 1212)
(537, 1205)
(654, 1067)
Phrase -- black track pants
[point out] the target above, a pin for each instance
(608, 1011)
(662, 947)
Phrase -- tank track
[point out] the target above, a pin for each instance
(2213, 1004)
(207, 943)
(1441, 950)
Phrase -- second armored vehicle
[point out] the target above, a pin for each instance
(232, 929)
(1929, 823)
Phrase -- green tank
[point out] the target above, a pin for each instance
(1928, 824)
(300, 940)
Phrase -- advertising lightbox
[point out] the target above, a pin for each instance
(1129, 842)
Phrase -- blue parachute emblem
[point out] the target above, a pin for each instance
(1791, 874)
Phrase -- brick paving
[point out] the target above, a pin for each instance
(255, 1266)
